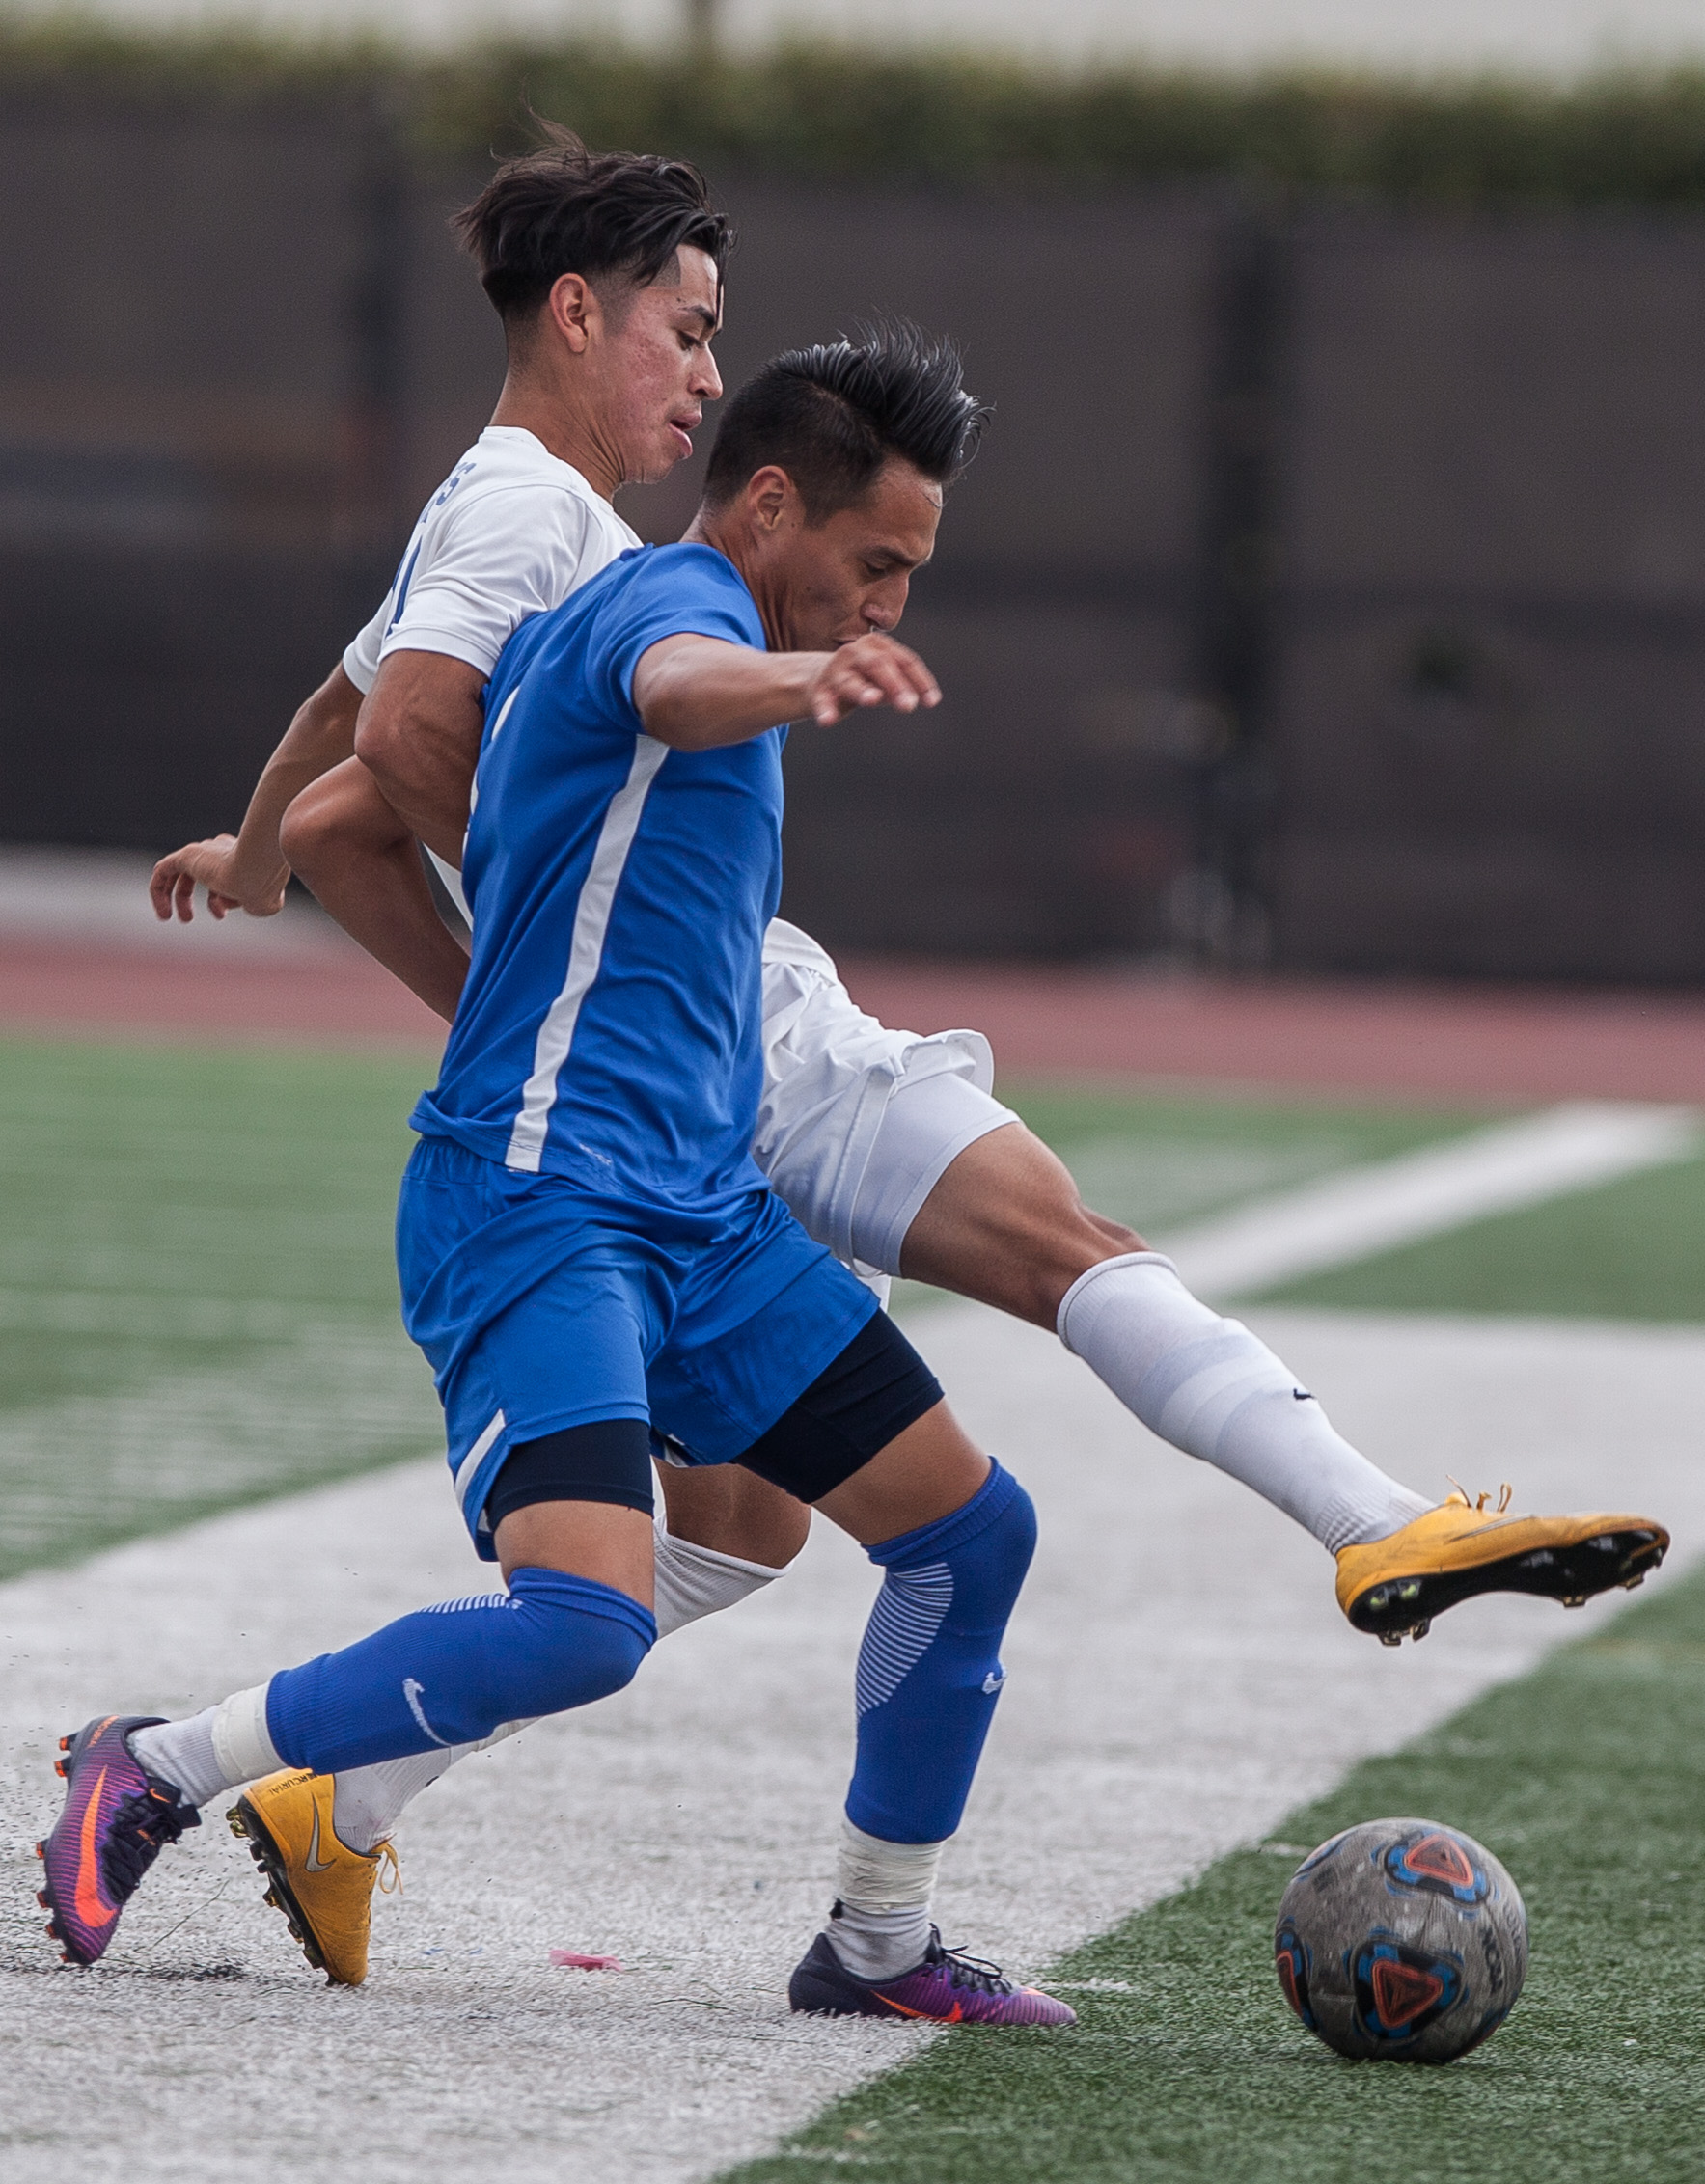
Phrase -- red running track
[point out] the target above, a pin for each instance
(331, 994)
(1436, 1041)
(1322, 1036)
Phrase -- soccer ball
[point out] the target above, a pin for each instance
(1401, 1940)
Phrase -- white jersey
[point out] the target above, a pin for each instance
(510, 532)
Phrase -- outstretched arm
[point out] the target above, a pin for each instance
(363, 863)
(700, 692)
(249, 870)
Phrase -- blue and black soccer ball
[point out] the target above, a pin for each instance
(1401, 1941)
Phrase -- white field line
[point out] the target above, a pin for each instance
(336, 1398)
(1362, 1211)
(1180, 1677)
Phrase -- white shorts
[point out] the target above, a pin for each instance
(858, 1123)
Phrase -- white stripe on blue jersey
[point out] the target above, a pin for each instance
(610, 1026)
(591, 921)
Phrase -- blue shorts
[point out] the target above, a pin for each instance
(543, 1306)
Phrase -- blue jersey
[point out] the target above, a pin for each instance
(610, 1026)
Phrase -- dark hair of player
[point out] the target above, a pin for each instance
(833, 415)
(560, 208)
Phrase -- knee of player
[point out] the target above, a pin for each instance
(1014, 1542)
(985, 1549)
(1065, 1240)
(582, 1641)
(593, 1660)
(1116, 1240)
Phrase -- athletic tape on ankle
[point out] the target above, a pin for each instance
(241, 1742)
(884, 1876)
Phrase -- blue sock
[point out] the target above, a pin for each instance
(452, 1674)
(930, 1669)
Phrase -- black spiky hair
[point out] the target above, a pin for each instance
(830, 416)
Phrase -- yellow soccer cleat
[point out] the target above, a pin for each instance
(1394, 1587)
(324, 1889)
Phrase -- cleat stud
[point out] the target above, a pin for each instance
(65, 1744)
(40, 1850)
(1378, 1599)
(60, 1769)
(1630, 1583)
(1419, 1632)
(1391, 1637)
(43, 1899)
(1575, 1600)
(1410, 1591)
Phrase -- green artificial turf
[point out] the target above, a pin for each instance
(1587, 1777)
(1629, 1250)
(1157, 1162)
(197, 1299)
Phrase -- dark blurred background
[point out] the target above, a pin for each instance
(1329, 594)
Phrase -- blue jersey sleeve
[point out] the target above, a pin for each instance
(680, 592)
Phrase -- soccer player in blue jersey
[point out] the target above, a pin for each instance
(589, 1253)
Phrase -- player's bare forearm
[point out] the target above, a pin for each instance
(702, 693)
(249, 870)
(419, 737)
(364, 865)
(699, 694)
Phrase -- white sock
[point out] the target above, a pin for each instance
(218, 1749)
(880, 1925)
(367, 1802)
(699, 1581)
(1212, 1389)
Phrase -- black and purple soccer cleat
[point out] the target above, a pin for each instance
(945, 1989)
(116, 1819)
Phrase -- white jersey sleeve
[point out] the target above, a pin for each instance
(507, 555)
(510, 533)
(361, 655)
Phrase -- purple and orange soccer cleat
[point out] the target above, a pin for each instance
(116, 1819)
(945, 1989)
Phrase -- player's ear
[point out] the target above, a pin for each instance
(769, 494)
(573, 310)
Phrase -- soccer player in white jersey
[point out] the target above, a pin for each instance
(888, 1146)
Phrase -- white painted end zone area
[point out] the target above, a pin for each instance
(1179, 1678)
